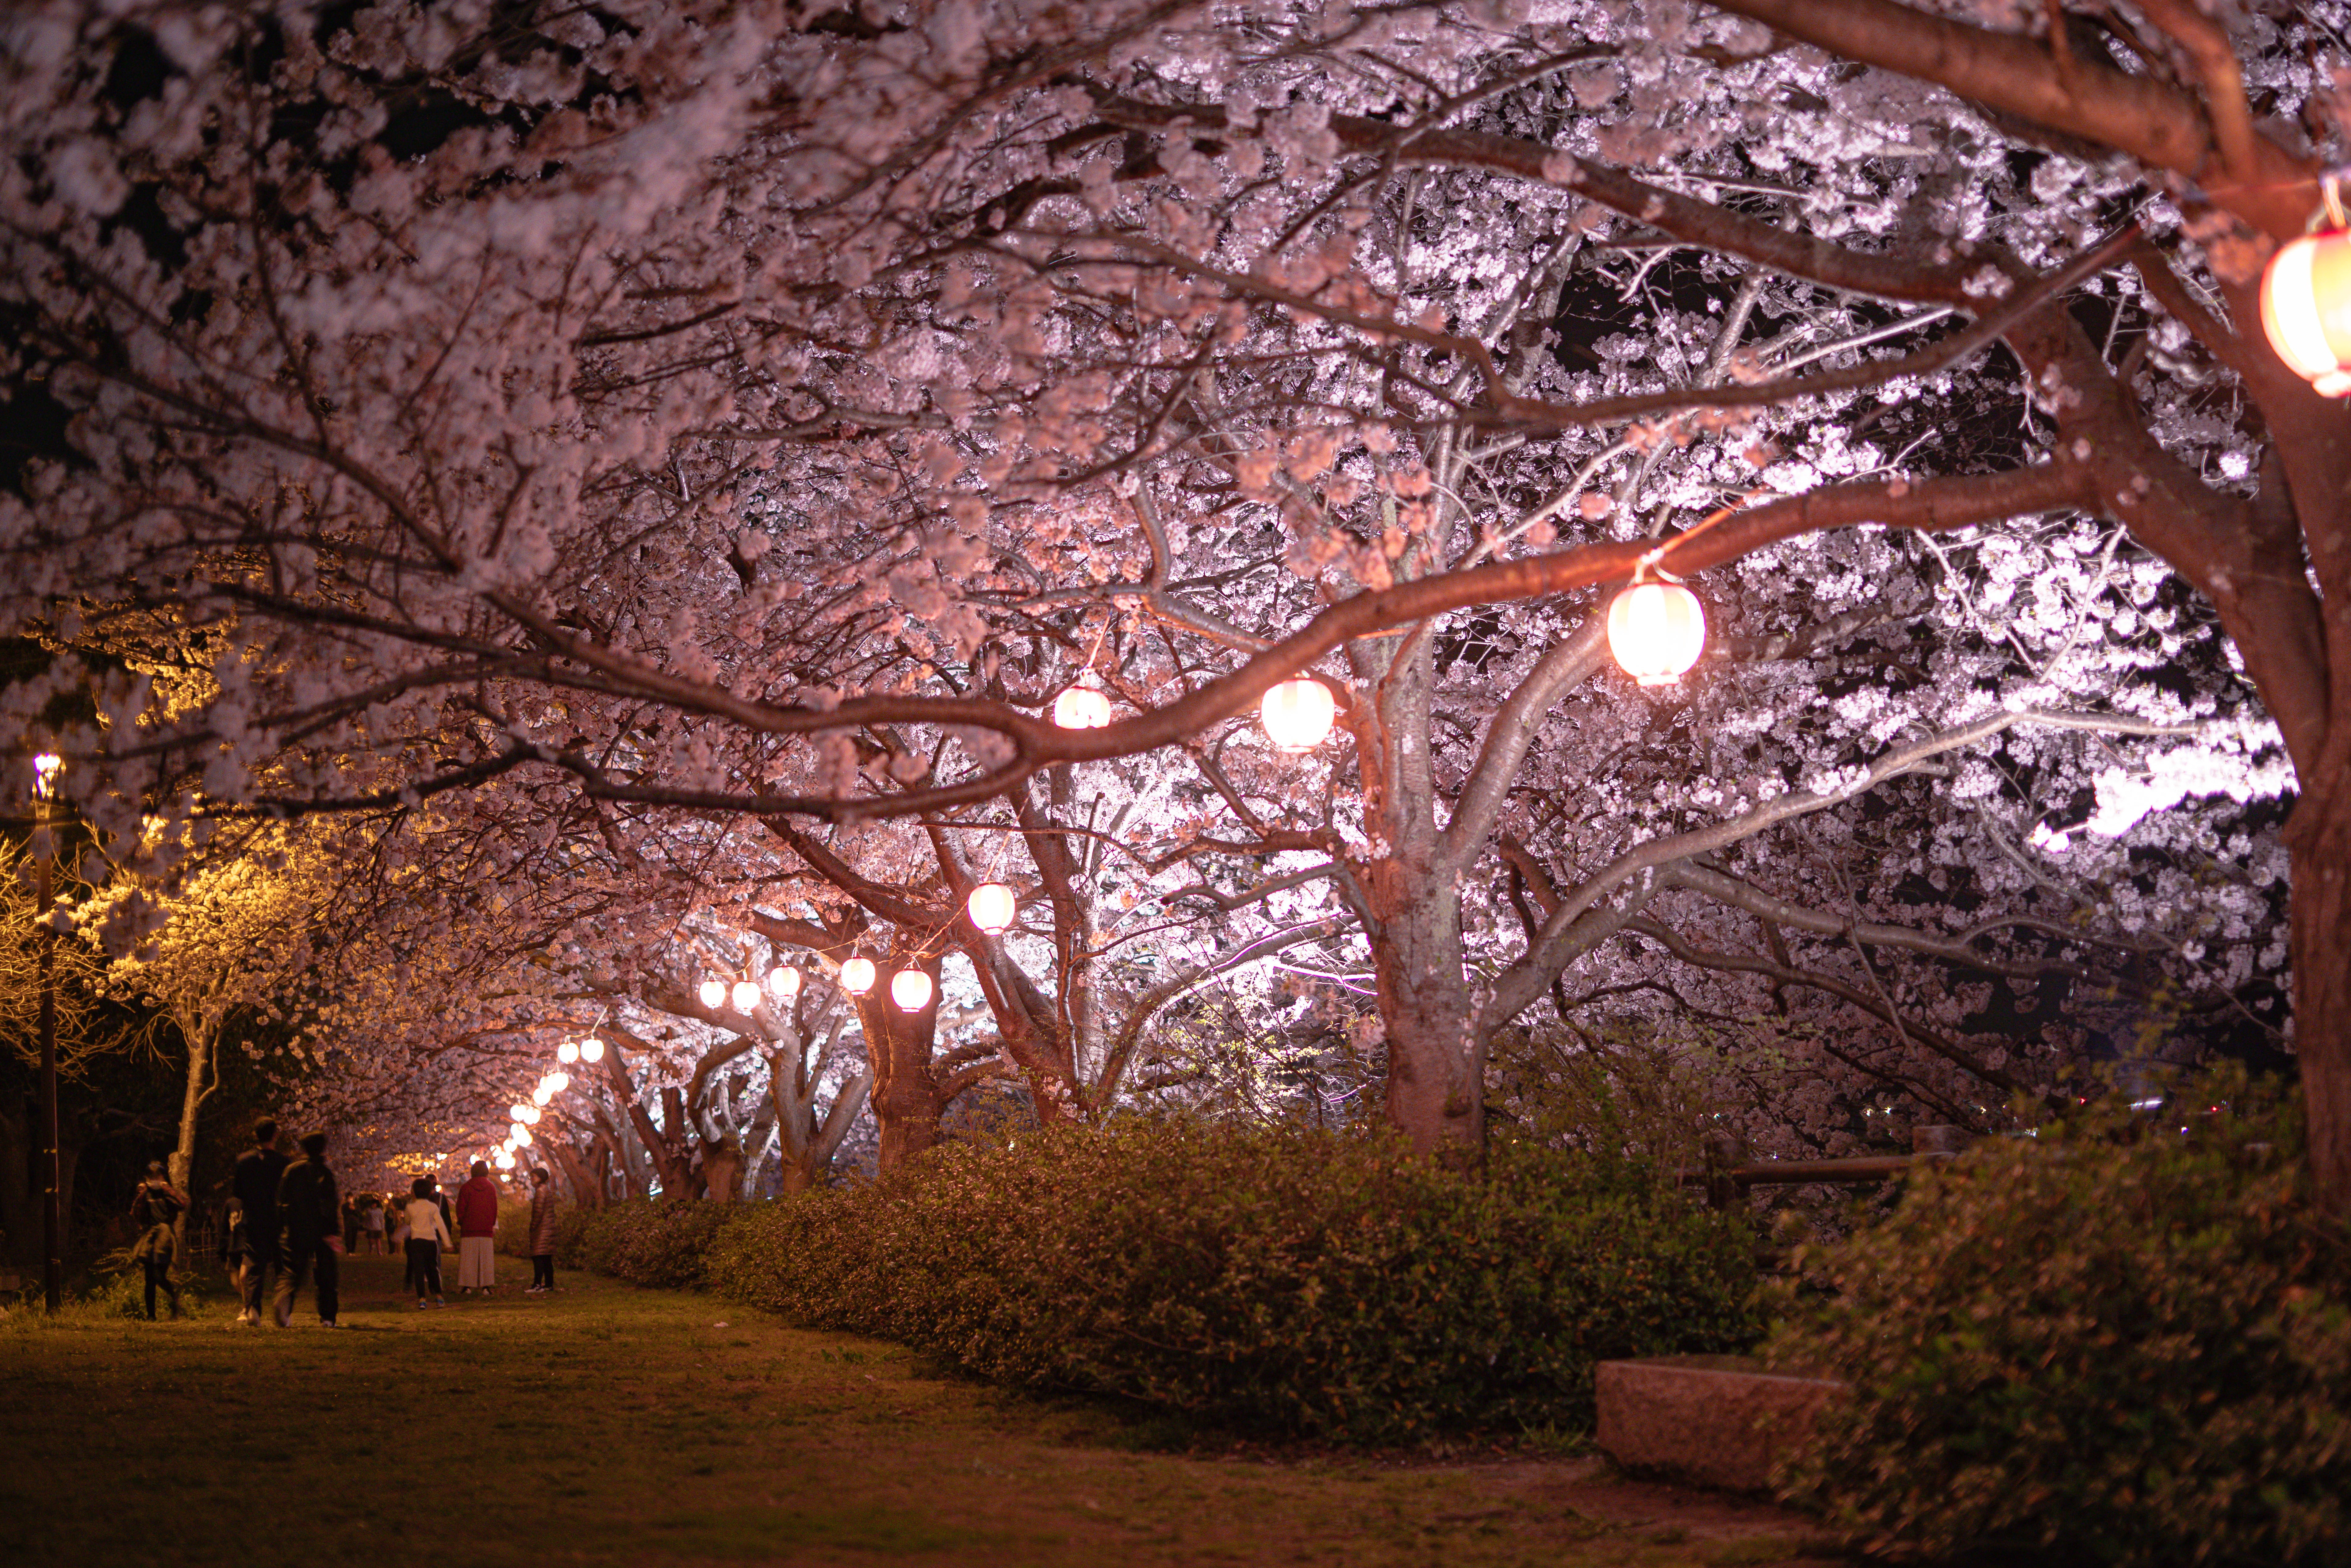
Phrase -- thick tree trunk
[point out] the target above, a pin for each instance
(2319, 837)
(898, 1043)
(1434, 1092)
(182, 1166)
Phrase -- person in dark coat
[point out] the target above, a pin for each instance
(258, 1170)
(154, 1211)
(309, 1212)
(235, 1246)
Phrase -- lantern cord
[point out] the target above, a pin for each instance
(1647, 565)
(2330, 190)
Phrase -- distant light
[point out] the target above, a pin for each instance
(1298, 714)
(2146, 1104)
(712, 993)
(530, 1114)
(542, 1095)
(784, 981)
(746, 996)
(1656, 631)
(45, 768)
(857, 976)
(992, 907)
(567, 1052)
(504, 1162)
(557, 1083)
(1081, 707)
(591, 1050)
(515, 1111)
(911, 990)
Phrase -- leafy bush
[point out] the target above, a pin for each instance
(654, 1241)
(2112, 1344)
(1308, 1282)
(513, 1235)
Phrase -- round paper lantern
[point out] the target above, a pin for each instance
(591, 1050)
(992, 907)
(567, 1052)
(1297, 714)
(784, 981)
(542, 1095)
(504, 1162)
(746, 996)
(557, 1083)
(1081, 707)
(530, 1114)
(2306, 310)
(911, 990)
(520, 1134)
(857, 976)
(712, 993)
(1657, 632)
(513, 1113)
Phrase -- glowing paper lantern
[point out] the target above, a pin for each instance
(857, 976)
(1297, 714)
(567, 1052)
(746, 996)
(513, 1113)
(557, 1083)
(530, 1115)
(1656, 631)
(784, 981)
(1081, 707)
(520, 1134)
(992, 907)
(911, 990)
(504, 1162)
(591, 1050)
(712, 993)
(2306, 310)
(542, 1095)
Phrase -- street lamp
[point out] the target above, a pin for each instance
(1297, 714)
(1656, 631)
(911, 990)
(992, 907)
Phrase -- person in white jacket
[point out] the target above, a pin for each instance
(428, 1237)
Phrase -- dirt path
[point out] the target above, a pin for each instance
(610, 1425)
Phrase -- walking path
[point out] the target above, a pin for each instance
(606, 1424)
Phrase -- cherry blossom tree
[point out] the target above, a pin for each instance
(765, 413)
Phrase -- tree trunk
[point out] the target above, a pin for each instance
(202, 1043)
(1434, 1095)
(2319, 839)
(898, 1044)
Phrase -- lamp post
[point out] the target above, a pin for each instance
(53, 1227)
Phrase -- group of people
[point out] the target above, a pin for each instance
(286, 1222)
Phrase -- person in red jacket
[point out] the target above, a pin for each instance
(477, 1225)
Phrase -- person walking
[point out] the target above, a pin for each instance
(542, 1233)
(258, 1170)
(236, 1247)
(308, 1207)
(428, 1233)
(154, 1208)
(373, 1224)
(477, 1229)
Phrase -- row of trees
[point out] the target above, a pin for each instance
(647, 472)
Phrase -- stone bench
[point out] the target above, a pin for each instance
(1714, 1420)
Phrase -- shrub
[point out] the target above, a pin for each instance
(1313, 1283)
(652, 1241)
(513, 1235)
(2111, 1343)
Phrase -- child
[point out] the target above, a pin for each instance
(428, 1233)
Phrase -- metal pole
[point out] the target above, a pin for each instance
(53, 1261)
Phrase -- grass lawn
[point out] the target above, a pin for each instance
(613, 1425)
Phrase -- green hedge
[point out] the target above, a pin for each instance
(661, 1241)
(1305, 1283)
(2113, 1343)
